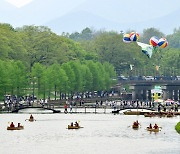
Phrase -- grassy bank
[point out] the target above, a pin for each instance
(177, 127)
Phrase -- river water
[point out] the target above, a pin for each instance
(102, 134)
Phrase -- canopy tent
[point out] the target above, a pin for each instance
(158, 100)
(169, 101)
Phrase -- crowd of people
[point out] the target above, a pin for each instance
(123, 104)
(12, 102)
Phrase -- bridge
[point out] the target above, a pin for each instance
(141, 89)
(45, 107)
(134, 107)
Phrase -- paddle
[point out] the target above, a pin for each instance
(33, 120)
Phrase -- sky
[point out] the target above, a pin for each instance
(19, 3)
(74, 15)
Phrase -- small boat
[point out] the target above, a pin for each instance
(152, 129)
(31, 120)
(15, 128)
(135, 126)
(169, 115)
(74, 127)
(132, 112)
(149, 115)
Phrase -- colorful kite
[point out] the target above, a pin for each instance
(146, 49)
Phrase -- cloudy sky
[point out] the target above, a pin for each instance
(74, 15)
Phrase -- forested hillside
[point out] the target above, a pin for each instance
(35, 60)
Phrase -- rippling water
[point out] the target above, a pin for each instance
(102, 133)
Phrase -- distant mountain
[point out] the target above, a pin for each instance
(119, 15)
(69, 15)
(77, 21)
(37, 12)
(129, 10)
(166, 24)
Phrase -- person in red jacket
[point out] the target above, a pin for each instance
(65, 108)
(155, 126)
(12, 124)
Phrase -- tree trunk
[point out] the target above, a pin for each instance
(44, 94)
(55, 91)
(38, 87)
(12, 91)
(49, 95)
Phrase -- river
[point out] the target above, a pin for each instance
(102, 134)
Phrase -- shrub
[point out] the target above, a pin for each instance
(177, 127)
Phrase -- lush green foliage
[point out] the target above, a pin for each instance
(174, 39)
(35, 60)
(177, 127)
(109, 47)
(148, 33)
(71, 77)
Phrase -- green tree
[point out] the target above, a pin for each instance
(76, 66)
(63, 86)
(87, 78)
(37, 75)
(11, 46)
(170, 63)
(95, 75)
(55, 77)
(174, 39)
(71, 77)
(149, 32)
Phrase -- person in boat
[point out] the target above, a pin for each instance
(136, 123)
(12, 125)
(150, 126)
(155, 126)
(76, 124)
(31, 117)
(71, 123)
(19, 125)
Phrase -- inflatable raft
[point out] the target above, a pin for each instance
(15, 128)
(153, 129)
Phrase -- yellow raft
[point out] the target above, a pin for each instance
(74, 127)
(132, 112)
(135, 126)
(15, 128)
(153, 129)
